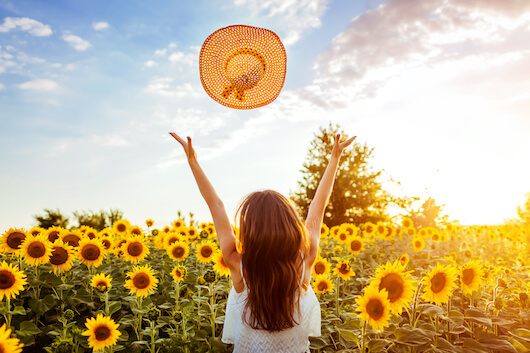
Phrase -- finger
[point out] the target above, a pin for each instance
(349, 141)
(178, 138)
(189, 143)
(337, 138)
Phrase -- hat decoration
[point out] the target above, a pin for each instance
(243, 67)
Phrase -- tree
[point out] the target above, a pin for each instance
(50, 219)
(524, 211)
(428, 214)
(99, 220)
(357, 196)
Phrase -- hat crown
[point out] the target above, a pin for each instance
(244, 68)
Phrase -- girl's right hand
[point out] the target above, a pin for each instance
(188, 148)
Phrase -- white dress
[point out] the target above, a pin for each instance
(292, 340)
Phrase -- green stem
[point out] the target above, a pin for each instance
(363, 333)
(152, 349)
(107, 302)
(8, 312)
(212, 316)
(337, 298)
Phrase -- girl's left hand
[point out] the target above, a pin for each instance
(340, 146)
(188, 148)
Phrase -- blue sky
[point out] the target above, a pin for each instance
(89, 91)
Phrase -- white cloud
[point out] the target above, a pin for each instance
(77, 42)
(2, 87)
(162, 86)
(150, 63)
(293, 17)
(39, 85)
(161, 52)
(98, 26)
(189, 59)
(34, 27)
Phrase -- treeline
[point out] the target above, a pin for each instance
(97, 220)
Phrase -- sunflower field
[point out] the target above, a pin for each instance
(382, 288)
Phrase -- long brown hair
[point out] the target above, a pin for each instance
(272, 236)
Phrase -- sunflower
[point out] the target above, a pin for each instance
(323, 285)
(12, 240)
(105, 233)
(380, 230)
(117, 246)
(121, 226)
(418, 243)
(102, 332)
(393, 278)
(12, 280)
(205, 251)
(106, 242)
(369, 229)
(343, 270)
(471, 276)
(53, 233)
(178, 223)
(149, 222)
(101, 281)
(374, 307)
(219, 264)
(333, 231)
(342, 236)
(171, 237)
(166, 229)
(141, 281)
(62, 256)
(321, 267)
(178, 251)
(411, 231)
(439, 284)
(423, 233)
(91, 252)
(135, 249)
(36, 249)
(8, 344)
(72, 237)
(211, 228)
(36, 231)
(192, 233)
(404, 259)
(324, 230)
(179, 273)
(406, 222)
(356, 245)
(390, 232)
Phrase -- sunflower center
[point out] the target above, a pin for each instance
(322, 286)
(136, 231)
(141, 280)
(178, 252)
(172, 240)
(438, 282)
(91, 235)
(106, 243)
(394, 284)
(102, 284)
(178, 273)
(418, 243)
(7, 279)
(121, 227)
(135, 248)
(375, 309)
(102, 333)
(344, 269)
(320, 268)
(15, 239)
(467, 276)
(53, 236)
(59, 256)
(90, 252)
(369, 229)
(355, 245)
(72, 240)
(36, 249)
(206, 251)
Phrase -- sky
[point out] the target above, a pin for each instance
(440, 89)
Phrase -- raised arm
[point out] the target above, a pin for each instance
(225, 234)
(315, 214)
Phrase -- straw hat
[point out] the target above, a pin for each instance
(243, 67)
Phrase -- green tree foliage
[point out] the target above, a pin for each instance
(358, 195)
(428, 215)
(99, 220)
(51, 218)
(524, 211)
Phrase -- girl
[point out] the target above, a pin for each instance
(271, 306)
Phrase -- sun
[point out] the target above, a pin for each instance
(400, 288)
(102, 332)
(374, 308)
(439, 284)
(142, 281)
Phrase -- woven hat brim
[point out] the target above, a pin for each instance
(218, 47)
